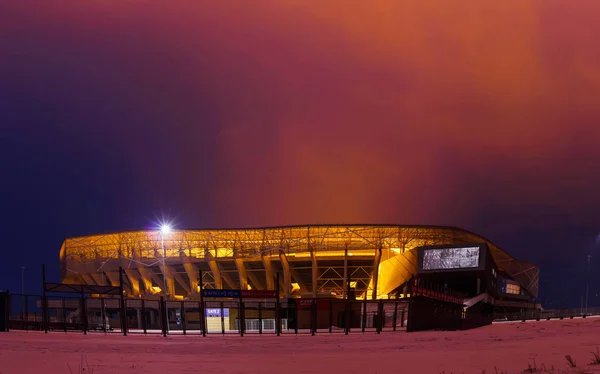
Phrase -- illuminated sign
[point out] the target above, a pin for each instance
(513, 289)
(236, 294)
(451, 258)
(510, 287)
(216, 312)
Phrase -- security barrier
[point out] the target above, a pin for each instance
(210, 317)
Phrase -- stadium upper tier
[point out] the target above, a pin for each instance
(313, 260)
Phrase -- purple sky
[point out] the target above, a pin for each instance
(482, 115)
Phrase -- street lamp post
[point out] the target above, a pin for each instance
(165, 229)
(587, 283)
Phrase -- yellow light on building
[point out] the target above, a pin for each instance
(295, 287)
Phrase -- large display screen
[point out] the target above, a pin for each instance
(451, 258)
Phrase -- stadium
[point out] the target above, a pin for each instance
(315, 261)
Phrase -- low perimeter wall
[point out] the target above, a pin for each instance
(430, 314)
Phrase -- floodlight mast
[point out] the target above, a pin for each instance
(164, 230)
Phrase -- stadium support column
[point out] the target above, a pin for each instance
(269, 274)
(315, 272)
(192, 273)
(176, 277)
(147, 276)
(134, 281)
(214, 268)
(286, 274)
(252, 278)
(376, 272)
(346, 284)
(169, 278)
(239, 263)
(98, 278)
(90, 279)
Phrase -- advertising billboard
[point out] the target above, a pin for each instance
(451, 258)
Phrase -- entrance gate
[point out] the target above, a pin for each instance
(81, 309)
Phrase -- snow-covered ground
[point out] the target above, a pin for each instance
(509, 347)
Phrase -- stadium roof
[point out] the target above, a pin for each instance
(252, 241)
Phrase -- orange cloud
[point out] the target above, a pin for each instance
(341, 111)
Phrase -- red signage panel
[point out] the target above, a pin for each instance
(322, 304)
(258, 294)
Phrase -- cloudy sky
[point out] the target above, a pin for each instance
(480, 114)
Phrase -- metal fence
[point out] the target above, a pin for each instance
(535, 314)
(210, 317)
(220, 317)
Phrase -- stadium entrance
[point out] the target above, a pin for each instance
(459, 287)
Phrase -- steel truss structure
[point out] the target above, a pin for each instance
(314, 260)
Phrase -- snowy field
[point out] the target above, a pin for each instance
(507, 347)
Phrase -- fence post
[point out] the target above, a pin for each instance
(347, 306)
(381, 317)
(277, 307)
(183, 319)
(241, 316)
(222, 319)
(84, 314)
(201, 304)
(260, 318)
(402, 315)
(330, 315)
(103, 315)
(45, 318)
(395, 315)
(163, 316)
(64, 313)
(23, 311)
(26, 309)
(347, 317)
(202, 318)
(297, 310)
(364, 316)
(313, 317)
(410, 324)
(144, 317)
(123, 306)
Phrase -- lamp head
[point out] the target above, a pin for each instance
(165, 228)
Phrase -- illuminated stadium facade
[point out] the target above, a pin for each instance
(313, 261)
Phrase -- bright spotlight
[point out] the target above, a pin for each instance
(165, 228)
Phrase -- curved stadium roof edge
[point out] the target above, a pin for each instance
(526, 273)
(242, 228)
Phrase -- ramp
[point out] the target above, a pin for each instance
(396, 271)
(481, 297)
